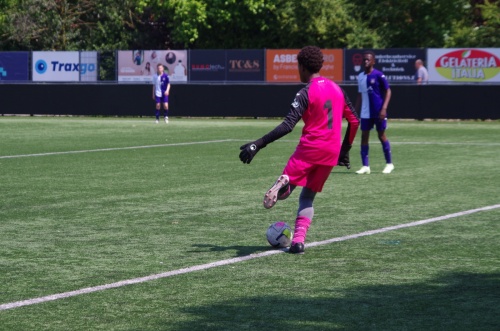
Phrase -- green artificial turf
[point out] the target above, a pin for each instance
(86, 202)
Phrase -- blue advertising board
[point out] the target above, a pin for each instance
(207, 65)
(398, 64)
(245, 65)
(14, 66)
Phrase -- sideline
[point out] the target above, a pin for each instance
(224, 141)
(58, 296)
(115, 149)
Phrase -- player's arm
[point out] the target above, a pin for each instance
(357, 106)
(297, 108)
(352, 118)
(167, 91)
(387, 96)
(154, 87)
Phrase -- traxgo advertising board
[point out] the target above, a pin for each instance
(64, 66)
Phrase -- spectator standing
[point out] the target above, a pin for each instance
(422, 75)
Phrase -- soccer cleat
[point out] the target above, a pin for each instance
(297, 248)
(157, 122)
(364, 170)
(389, 167)
(272, 195)
(166, 119)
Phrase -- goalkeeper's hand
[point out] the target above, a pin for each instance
(343, 160)
(249, 150)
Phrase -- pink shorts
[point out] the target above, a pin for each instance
(302, 173)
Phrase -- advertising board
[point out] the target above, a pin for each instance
(140, 65)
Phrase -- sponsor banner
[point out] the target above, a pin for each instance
(86, 58)
(140, 65)
(398, 64)
(14, 66)
(464, 65)
(63, 66)
(207, 65)
(245, 65)
(281, 65)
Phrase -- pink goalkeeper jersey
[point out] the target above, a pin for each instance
(322, 133)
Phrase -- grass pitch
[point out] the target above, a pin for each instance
(86, 202)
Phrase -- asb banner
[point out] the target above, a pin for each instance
(464, 65)
(63, 67)
(208, 65)
(14, 66)
(245, 65)
(140, 66)
(281, 65)
(398, 65)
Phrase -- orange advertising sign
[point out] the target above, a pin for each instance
(281, 65)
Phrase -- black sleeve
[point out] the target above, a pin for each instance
(351, 130)
(297, 109)
(349, 104)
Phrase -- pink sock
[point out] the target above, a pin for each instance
(302, 224)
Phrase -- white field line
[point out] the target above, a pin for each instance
(58, 296)
(223, 141)
(116, 149)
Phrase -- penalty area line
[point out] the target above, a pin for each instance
(206, 266)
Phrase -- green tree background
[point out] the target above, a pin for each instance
(245, 24)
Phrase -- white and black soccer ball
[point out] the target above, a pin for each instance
(279, 234)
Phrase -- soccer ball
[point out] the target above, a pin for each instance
(279, 234)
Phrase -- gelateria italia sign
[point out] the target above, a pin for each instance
(466, 65)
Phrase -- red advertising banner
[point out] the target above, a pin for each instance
(281, 65)
(479, 65)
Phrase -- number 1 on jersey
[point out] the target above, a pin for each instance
(328, 107)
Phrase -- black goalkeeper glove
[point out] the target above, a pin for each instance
(249, 150)
(344, 156)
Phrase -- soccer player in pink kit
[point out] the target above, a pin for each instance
(321, 104)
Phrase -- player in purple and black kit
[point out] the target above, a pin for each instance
(373, 99)
(321, 104)
(161, 90)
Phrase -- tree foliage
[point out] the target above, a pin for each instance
(479, 28)
(240, 24)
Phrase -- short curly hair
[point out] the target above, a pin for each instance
(311, 58)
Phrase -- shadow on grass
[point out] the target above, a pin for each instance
(240, 250)
(455, 301)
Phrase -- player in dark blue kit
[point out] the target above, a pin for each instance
(161, 90)
(373, 99)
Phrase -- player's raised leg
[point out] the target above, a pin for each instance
(279, 188)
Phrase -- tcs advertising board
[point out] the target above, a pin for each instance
(281, 65)
(464, 65)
